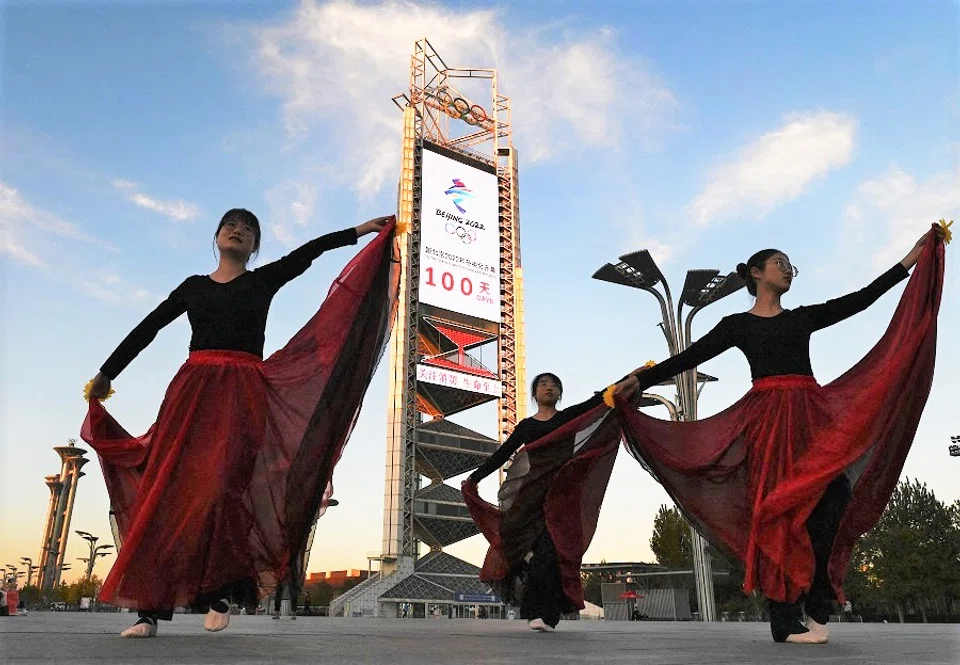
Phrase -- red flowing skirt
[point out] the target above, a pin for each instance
(556, 483)
(750, 476)
(226, 485)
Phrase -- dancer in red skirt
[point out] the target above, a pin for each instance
(537, 538)
(788, 478)
(215, 502)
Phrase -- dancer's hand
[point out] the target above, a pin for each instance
(375, 225)
(911, 259)
(627, 387)
(100, 387)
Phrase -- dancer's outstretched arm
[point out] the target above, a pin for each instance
(577, 410)
(296, 262)
(711, 345)
(836, 310)
(138, 339)
(521, 433)
(500, 456)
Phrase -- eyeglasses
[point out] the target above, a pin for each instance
(787, 267)
(239, 226)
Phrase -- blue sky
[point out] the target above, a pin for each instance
(700, 130)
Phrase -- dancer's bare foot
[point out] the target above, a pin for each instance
(540, 625)
(218, 617)
(815, 627)
(145, 627)
(810, 637)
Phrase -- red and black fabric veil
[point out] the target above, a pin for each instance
(226, 485)
(749, 477)
(556, 482)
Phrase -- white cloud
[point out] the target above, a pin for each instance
(888, 214)
(10, 247)
(281, 233)
(111, 288)
(663, 253)
(338, 64)
(180, 211)
(25, 228)
(15, 209)
(293, 202)
(575, 95)
(635, 228)
(28, 233)
(777, 167)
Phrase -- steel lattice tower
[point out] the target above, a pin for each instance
(439, 118)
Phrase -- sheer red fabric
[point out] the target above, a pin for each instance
(558, 483)
(747, 477)
(227, 483)
(750, 476)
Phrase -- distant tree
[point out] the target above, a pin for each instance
(321, 593)
(30, 595)
(83, 588)
(911, 558)
(59, 593)
(591, 587)
(670, 542)
(352, 582)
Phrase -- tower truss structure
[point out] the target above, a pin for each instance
(439, 360)
(56, 532)
(439, 112)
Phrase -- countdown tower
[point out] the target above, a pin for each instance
(458, 339)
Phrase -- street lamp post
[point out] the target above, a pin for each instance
(96, 551)
(59, 569)
(701, 288)
(30, 568)
(11, 576)
(115, 530)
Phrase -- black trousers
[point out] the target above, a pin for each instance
(278, 596)
(543, 596)
(822, 525)
(235, 591)
(156, 615)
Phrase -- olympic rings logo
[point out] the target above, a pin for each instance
(458, 107)
(466, 236)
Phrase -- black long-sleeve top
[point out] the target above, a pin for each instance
(228, 316)
(774, 345)
(531, 429)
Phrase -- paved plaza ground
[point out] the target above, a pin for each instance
(69, 637)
